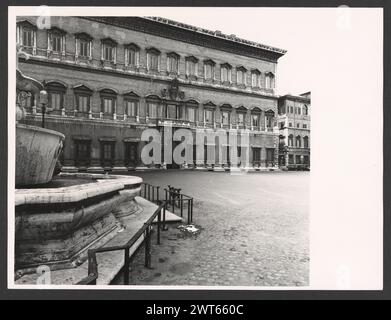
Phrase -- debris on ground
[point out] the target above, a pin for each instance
(189, 230)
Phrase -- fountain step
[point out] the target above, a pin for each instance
(109, 263)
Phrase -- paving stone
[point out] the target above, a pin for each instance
(268, 232)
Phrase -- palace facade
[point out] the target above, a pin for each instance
(294, 123)
(110, 78)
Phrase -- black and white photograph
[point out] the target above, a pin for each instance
(194, 148)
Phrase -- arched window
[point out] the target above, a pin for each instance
(306, 142)
(108, 101)
(209, 112)
(290, 140)
(56, 93)
(256, 117)
(298, 142)
(109, 50)
(27, 36)
(241, 115)
(269, 118)
(131, 104)
(132, 55)
(83, 96)
(83, 45)
(153, 59)
(173, 62)
(56, 40)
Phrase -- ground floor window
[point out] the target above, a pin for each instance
(107, 153)
(131, 153)
(306, 160)
(82, 152)
(269, 157)
(256, 155)
(298, 159)
(291, 159)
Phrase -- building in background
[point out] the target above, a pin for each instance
(294, 123)
(110, 78)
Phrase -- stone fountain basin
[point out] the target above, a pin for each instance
(37, 151)
(55, 225)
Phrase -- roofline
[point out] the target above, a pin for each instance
(217, 34)
(294, 97)
(177, 31)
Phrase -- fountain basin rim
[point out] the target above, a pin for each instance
(39, 129)
(104, 184)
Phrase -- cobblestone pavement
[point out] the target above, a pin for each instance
(254, 232)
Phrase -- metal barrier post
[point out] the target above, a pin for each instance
(159, 220)
(173, 201)
(181, 204)
(188, 212)
(148, 247)
(191, 211)
(126, 267)
(164, 217)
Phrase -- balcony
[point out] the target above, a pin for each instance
(174, 122)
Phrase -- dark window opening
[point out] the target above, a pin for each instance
(131, 153)
(107, 153)
(82, 152)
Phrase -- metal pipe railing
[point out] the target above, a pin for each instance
(146, 230)
(173, 199)
(150, 192)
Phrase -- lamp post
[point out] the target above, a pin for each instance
(43, 99)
